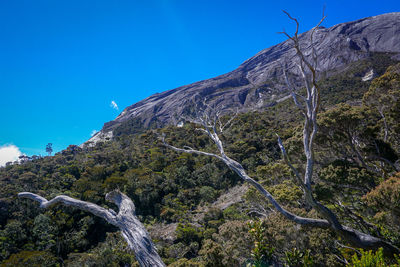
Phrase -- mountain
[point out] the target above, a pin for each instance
(259, 83)
(200, 213)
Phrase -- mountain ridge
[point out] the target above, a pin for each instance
(258, 82)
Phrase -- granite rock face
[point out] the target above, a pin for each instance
(259, 81)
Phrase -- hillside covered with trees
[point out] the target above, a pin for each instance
(199, 212)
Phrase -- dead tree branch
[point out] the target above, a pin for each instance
(131, 228)
(308, 71)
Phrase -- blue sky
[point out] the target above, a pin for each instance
(63, 62)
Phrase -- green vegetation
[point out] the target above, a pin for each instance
(372, 259)
(357, 176)
(262, 252)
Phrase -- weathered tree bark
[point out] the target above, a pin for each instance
(131, 228)
(309, 106)
(354, 237)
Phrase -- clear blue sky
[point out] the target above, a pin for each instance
(63, 62)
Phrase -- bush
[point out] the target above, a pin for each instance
(187, 233)
(372, 259)
(31, 258)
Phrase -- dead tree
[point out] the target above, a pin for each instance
(131, 228)
(308, 105)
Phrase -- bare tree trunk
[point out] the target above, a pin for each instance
(309, 108)
(132, 229)
(354, 237)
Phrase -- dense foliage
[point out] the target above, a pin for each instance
(176, 194)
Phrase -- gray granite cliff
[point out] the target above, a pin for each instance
(258, 82)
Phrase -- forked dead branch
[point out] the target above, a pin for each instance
(131, 228)
(309, 106)
(210, 124)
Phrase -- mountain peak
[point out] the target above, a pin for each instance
(258, 82)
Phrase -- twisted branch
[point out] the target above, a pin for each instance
(131, 228)
(312, 101)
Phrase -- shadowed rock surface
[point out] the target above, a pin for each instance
(259, 81)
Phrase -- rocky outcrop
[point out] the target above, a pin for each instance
(258, 82)
(369, 75)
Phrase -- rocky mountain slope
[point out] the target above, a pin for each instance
(259, 82)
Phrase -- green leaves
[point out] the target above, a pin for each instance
(262, 252)
(371, 258)
(44, 232)
(297, 258)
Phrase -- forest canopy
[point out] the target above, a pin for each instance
(198, 212)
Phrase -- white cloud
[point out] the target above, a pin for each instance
(114, 105)
(9, 153)
(93, 132)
